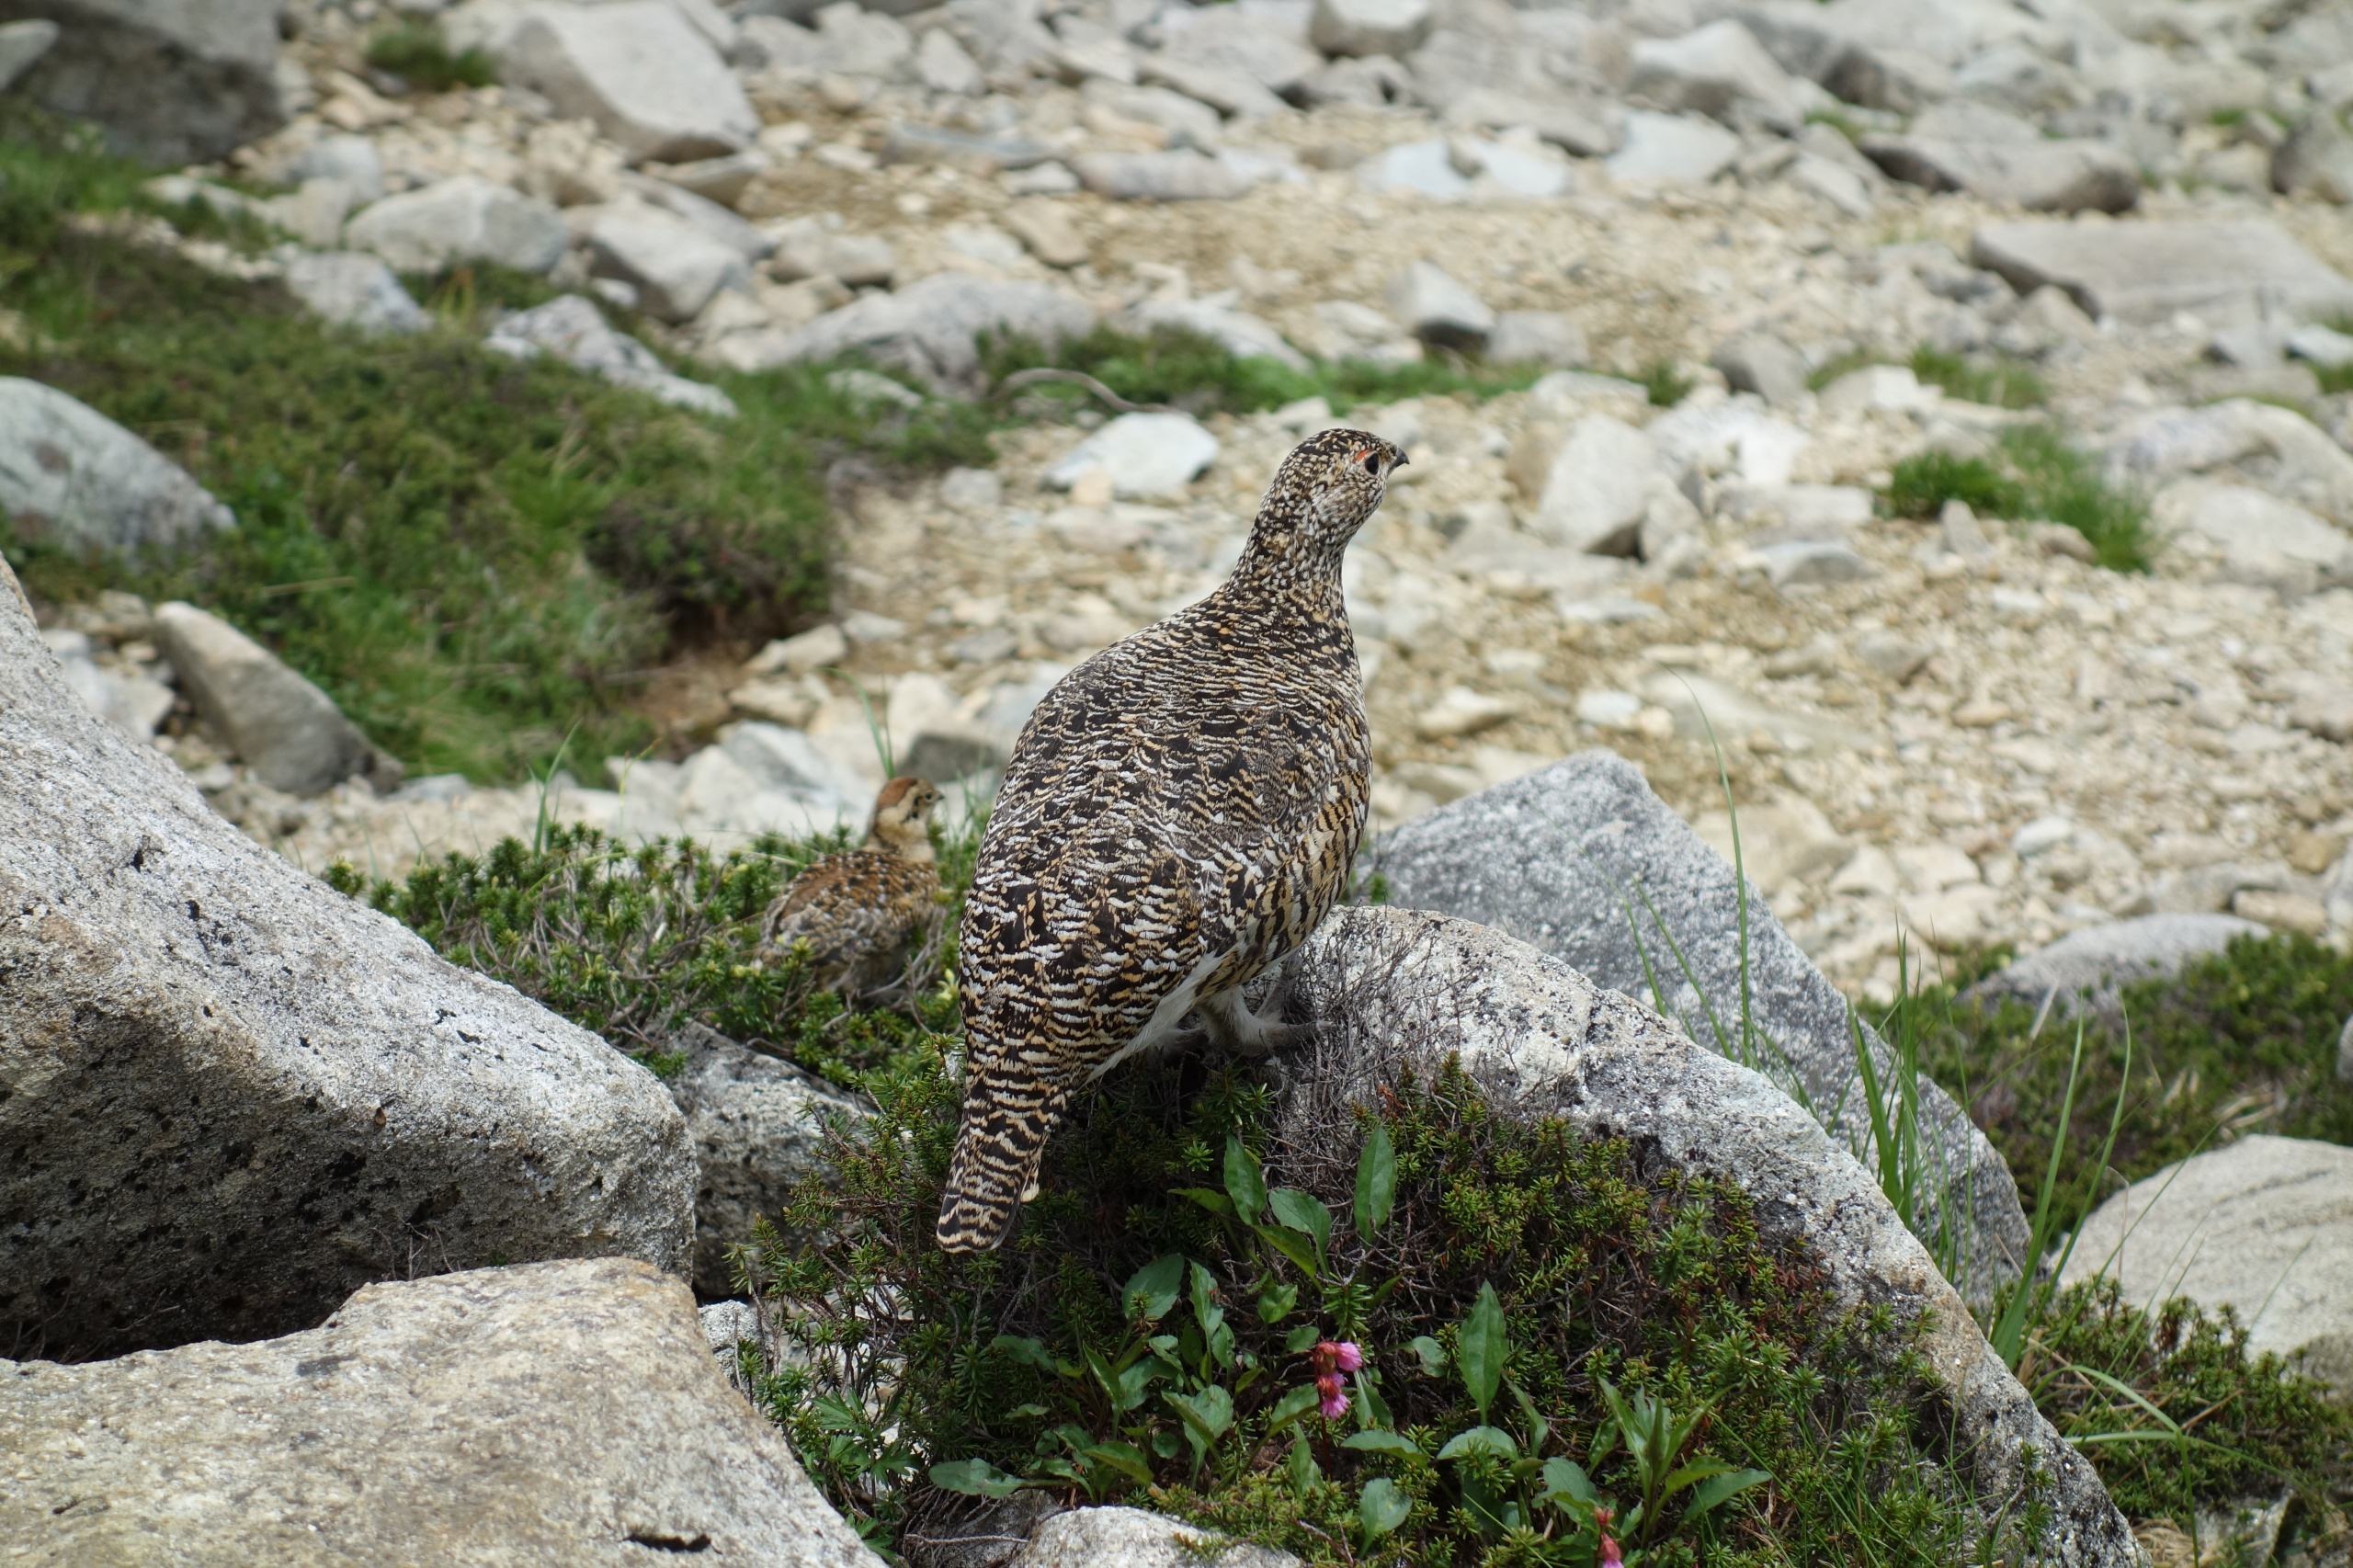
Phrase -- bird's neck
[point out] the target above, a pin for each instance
(915, 847)
(1293, 567)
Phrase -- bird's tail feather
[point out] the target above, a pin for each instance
(994, 1168)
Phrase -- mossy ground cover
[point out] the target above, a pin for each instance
(2032, 475)
(1659, 1287)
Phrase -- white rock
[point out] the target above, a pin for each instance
(1608, 709)
(648, 77)
(1144, 455)
(1244, 335)
(807, 248)
(351, 159)
(2264, 1225)
(134, 704)
(1437, 307)
(1462, 711)
(1180, 174)
(1782, 838)
(1931, 867)
(1597, 489)
(1711, 69)
(812, 650)
(2263, 539)
(943, 66)
(1130, 1537)
(1424, 168)
(1672, 149)
(285, 729)
(2230, 273)
(1357, 28)
(928, 327)
(71, 476)
(1536, 337)
(356, 290)
(2042, 834)
(1887, 389)
(575, 330)
(462, 219)
(675, 266)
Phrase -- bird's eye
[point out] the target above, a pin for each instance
(1371, 462)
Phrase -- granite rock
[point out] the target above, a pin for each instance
(72, 477)
(238, 1095)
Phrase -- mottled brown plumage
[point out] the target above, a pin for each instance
(861, 910)
(1178, 813)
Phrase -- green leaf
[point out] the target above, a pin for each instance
(1722, 1489)
(1292, 1244)
(1290, 1407)
(1432, 1355)
(975, 1478)
(1482, 1349)
(1697, 1469)
(1301, 1213)
(1217, 1203)
(1566, 1478)
(1301, 1338)
(1376, 1441)
(1152, 1291)
(1125, 1457)
(1480, 1439)
(1209, 1413)
(1028, 1351)
(1376, 1180)
(1245, 1182)
(1304, 1472)
(1276, 1301)
(1382, 1507)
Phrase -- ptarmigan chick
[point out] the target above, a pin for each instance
(1178, 813)
(860, 909)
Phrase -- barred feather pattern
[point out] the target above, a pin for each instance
(1177, 814)
(860, 912)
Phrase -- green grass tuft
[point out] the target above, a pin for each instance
(413, 51)
(2001, 381)
(1666, 385)
(1924, 483)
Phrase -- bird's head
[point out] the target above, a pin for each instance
(903, 816)
(1321, 496)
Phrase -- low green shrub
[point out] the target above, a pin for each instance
(473, 555)
(1546, 1333)
(632, 943)
(2241, 1041)
(1188, 370)
(413, 51)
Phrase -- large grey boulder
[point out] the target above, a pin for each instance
(71, 476)
(289, 732)
(2260, 539)
(235, 1096)
(170, 81)
(2092, 966)
(1581, 860)
(757, 1125)
(1144, 456)
(1389, 990)
(1971, 147)
(2233, 273)
(538, 1416)
(651, 81)
(929, 327)
(575, 331)
(461, 218)
(1438, 307)
(2264, 1225)
(1671, 149)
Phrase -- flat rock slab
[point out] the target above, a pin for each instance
(2092, 965)
(71, 476)
(640, 69)
(929, 327)
(2230, 274)
(2264, 1225)
(1584, 861)
(1391, 991)
(230, 1096)
(554, 1413)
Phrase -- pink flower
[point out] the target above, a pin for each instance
(1335, 1356)
(1336, 1399)
(1609, 1558)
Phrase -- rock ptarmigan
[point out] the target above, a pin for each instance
(860, 909)
(1178, 813)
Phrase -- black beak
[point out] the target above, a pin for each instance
(1401, 461)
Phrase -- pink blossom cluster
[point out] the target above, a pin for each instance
(1333, 1360)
